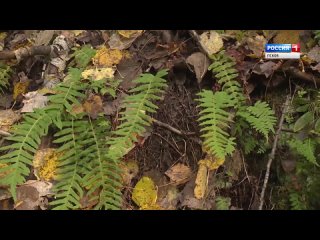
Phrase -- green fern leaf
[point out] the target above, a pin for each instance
(260, 117)
(223, 68)
(306, 148)
(134, 118)
(4, 77)
(214, 121)
(83, 56)
(223, 203)
(26, 138)
(69, 186)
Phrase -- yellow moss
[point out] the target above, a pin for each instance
(106, 57)
(145, 194)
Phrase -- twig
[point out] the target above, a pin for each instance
(273, 152)
(4, 133)
(172, 129)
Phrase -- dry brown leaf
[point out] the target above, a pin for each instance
(179, 173)
(200, 63)
(43, 37)
(93, 106)
(129, 169)
(32, 195)
(8, 118)
(257, 45)
(266, 68)
(20, 88)
(314, 54)
(211, 42)
(234, 164)
(287, 36)
(34, 100)
(130, 33)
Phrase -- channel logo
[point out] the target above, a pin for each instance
(282, 51)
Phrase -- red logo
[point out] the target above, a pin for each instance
(295, 47)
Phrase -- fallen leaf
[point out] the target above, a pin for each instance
(316, 68)
(111, 107)
(200, 63)
(43, 37)
(266, 68)
(20, 88)
(45, 164)
(33, 100)
(32, 195)
(211, 42)
(3, 172)
(314, 54)
(127, 70)
(121, 42)
(106, 57)
(179, 173)
(93, 106)
(98, 73)
(130, 170)
(287, 36)
(77, 32)
(201, 182)
(257, 45)
(303, 121)
(129, 33)
(145, 193)
(77, 109)
(8, 118)
(170, 201)
(3, 35)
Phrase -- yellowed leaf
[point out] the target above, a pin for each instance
(77, 32)
(98, 73)
(201, 182)
(106, 57)
(45, 163)
(211, 42)
(179, 173)
(145, 193)
(77, 109)
(129, 33)
(20, 88)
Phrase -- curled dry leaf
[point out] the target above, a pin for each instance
(34, 100)
(211, 42)
(129, 169)
(179, 173)
(200, 63)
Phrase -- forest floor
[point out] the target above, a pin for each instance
(169, 152)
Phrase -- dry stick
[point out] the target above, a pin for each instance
(172, 129)
(273, 152)
(4, 133)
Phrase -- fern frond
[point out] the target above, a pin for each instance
(223, 203)
(69, 186)
(26, 139)
(296, 201)
(104, 174)
(68, 94)
(83, 56)
(317, 34)
(306, 148)
(4, 77)
(134, 118)
(215, 120)
(224, 71)
(260, 116)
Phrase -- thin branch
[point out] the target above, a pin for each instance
(273, 152)
(172, 129)
(4, 133)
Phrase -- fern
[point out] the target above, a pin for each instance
(68, 94)
(223, 68)
(223, 203)
(134, 118)
(69, 187)
(105, 173)
(83, 56)
(317, 35)
(296, 201)
(26, 138)
(260, 117)
(306, 148)
(4, 77)
(214, 121)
